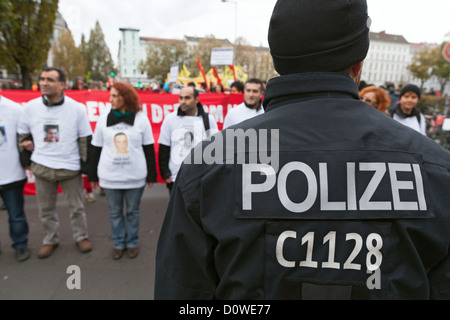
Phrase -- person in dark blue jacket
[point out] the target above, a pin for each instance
(310, 200)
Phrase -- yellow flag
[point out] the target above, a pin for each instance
(184, 73)
(240, 75)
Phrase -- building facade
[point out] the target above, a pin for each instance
(386, 63)
(58, 27)
(387, 60)
(132, 50)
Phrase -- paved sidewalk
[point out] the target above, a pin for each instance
(102, 278)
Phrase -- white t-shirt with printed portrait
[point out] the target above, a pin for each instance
(122, 162)
(10, 169)
(55, 132)
(181, 134)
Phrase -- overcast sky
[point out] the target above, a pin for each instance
(416, 20)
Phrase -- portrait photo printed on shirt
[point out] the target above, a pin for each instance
(184, 139)
(121, 145)
(51, 133)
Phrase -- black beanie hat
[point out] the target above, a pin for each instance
(412, 88)
(318, 35)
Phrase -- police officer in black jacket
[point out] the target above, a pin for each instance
(322, 197)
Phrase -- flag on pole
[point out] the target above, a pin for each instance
(216, 75)
(200, 67)
(185, 73)
(234, 72)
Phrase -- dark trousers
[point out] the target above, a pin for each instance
(18, 225)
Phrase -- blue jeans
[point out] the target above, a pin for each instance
(18, 225)
(124, 226)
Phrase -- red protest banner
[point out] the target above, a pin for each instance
(156, 105)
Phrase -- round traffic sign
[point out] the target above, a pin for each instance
(446, 52)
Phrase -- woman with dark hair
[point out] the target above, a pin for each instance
(78, 84)
(219, 88)
(123, 175)
(406, 110)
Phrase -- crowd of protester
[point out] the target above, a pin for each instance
(401, 104)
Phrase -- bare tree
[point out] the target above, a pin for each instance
(160, 57)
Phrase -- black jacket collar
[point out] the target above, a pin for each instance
(200, 111)
(113, 120)
(306, 86)
(398, 111)
(257, 109)
(49, 103)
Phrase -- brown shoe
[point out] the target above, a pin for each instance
(85, 245)
(46, 250)
(132, 252)
(117, 253)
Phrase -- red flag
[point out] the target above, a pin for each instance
(200, 67)
(234, 71)
(216, 74)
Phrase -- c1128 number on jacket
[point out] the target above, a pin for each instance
(373, 243)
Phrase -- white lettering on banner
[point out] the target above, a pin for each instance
(144, 108)
(104, 107)
(157, 113)
(216, 112)
(168, 108)
(230, 106)
(92, 111)
(95, 109)
(366, 203)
